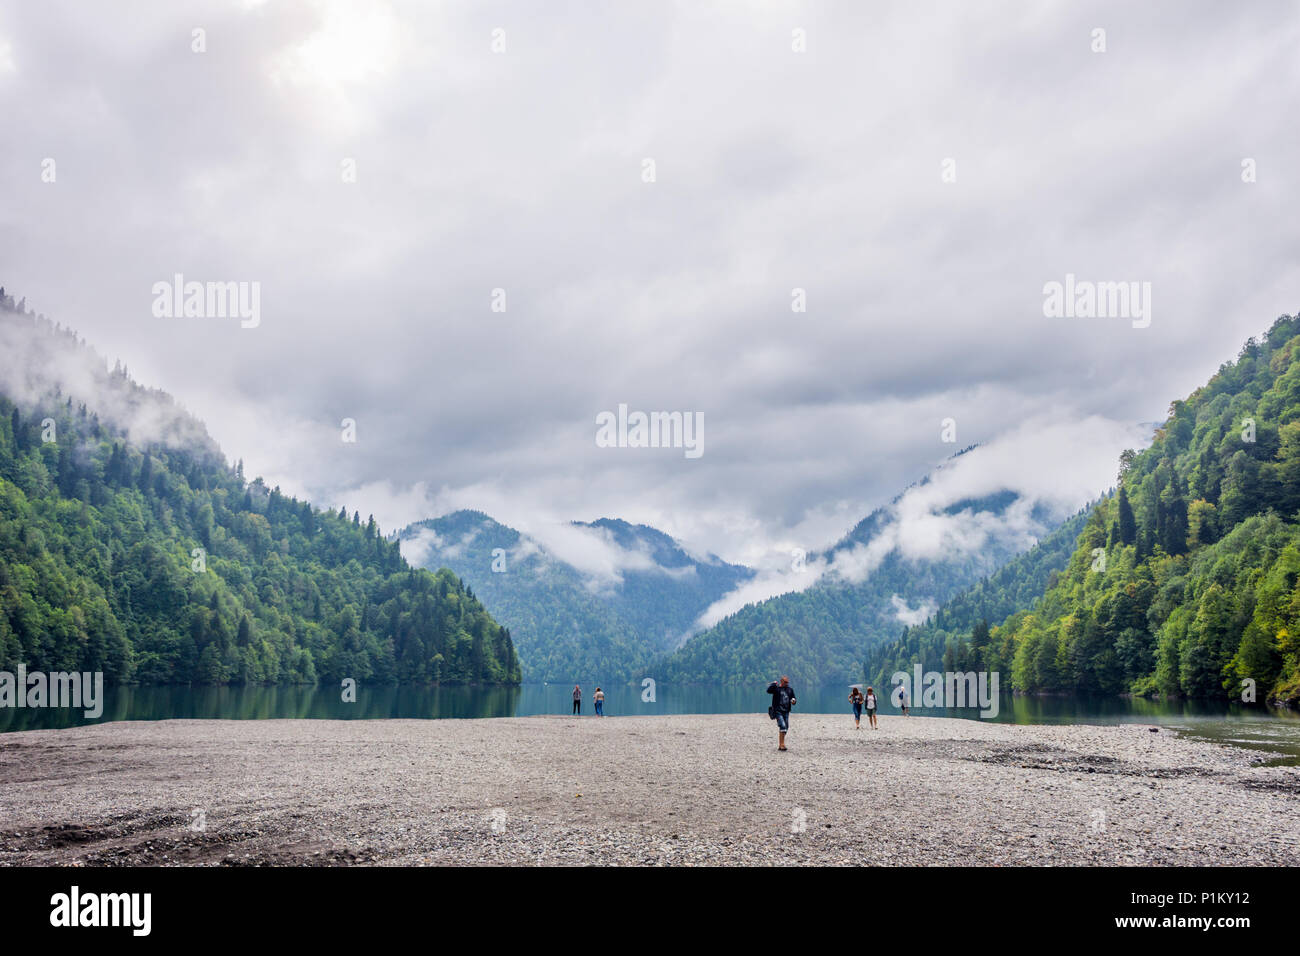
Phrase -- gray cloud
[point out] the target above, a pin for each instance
(775, 170)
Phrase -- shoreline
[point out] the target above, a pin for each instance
(650, 790)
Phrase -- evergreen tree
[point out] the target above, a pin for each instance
(1127, 523)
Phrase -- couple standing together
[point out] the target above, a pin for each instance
(860, 700)
(597, 698)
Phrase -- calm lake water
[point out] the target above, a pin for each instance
(1276, 733)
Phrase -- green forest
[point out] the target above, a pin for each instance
(154, 560)
(824, 632)
(564, 628)
(1184, 582)
(159, 563)
(956, 637)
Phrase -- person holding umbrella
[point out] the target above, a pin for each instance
(782, 700)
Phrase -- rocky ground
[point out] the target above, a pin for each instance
(637, 790)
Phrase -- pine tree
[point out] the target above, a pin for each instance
(1128, 533)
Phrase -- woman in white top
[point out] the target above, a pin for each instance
(871, 708)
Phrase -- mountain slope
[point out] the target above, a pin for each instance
(569, 625)
(1187, 581)
(871, 584)
(563, 631)
(663, 602)
(129, 546)
(941, 643)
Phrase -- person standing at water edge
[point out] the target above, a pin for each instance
(902, 699)
(871, 708)
(599, 698)
(782, 700)
(855, 698)
(577, 699)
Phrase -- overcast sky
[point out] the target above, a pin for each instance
(523, 169)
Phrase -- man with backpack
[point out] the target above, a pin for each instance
(782, 700)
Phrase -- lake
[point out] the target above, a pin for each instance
(1271, 731)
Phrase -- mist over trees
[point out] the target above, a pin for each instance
(129, 545)
(1185, 583)
(825, 632)
(566, 625)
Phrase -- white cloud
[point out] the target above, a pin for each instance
(521, 170)
(419, 547)
(1058, 465)
(912, 616)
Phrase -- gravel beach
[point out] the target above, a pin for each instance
(677, 790)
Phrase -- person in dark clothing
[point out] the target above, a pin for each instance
(577, 699)
(782, 700)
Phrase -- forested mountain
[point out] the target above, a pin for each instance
(129, 545)
(1184, 583)
(663, 602)
(562, 630)
(824, 632)
(956, 638)
(566, 625)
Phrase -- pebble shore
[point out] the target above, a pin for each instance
(656, 791)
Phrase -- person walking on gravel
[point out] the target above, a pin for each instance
(577, 700)
(871, 708)
(782, 700)
(855, 698)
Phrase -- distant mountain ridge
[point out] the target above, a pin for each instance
(643, 621)
(668, 609)
(569, 624)
(869, 588)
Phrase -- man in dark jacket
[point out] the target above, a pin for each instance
(782, 700)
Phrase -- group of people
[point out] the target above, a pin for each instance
(783, 699)
(598, 699)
